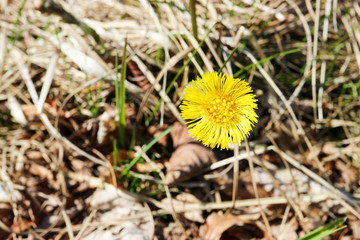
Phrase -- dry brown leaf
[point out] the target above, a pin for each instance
(187, 161)
(229, 226)
(180, 135)
(218, 224)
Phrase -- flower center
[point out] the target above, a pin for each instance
(221, 109)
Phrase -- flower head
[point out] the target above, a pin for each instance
(219, 110)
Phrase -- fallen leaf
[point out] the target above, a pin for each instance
(230, 226)
(187, 161)
(218, 224)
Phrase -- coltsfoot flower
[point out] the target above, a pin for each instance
(219, 110)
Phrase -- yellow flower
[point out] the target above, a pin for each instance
(219, 110)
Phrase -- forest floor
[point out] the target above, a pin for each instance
(82, 159)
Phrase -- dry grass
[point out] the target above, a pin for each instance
(58, 119)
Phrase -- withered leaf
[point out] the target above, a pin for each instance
(187, 161)
(219, 224)
(226, 227)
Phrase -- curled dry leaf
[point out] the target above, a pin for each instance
(187, 161)
(217, 224)
(229, 226)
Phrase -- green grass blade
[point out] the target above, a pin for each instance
(326, 230)
(120, 95)
(227, 60)
(145, 149)
(115, 154)
(123, 97)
